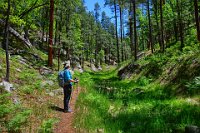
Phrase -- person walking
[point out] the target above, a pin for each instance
(67, 87)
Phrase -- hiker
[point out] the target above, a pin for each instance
(67, 87)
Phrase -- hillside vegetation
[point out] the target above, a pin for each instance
(28, 107)
(161, 95)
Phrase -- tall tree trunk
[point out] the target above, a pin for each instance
(162, 27)
(180, 24)
(131, 30)
(118, 59)
(55, 39)
(68, 17)
(157, 23)
(56, 30)
(197, 18)
(175, 30)
(150, 28)
(6, 43)
(59, 40)
(125, 52)
(121, 33)
(50, 56)
(135, 29)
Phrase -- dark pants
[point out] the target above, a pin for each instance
(67, 95)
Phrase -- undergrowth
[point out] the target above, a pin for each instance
(162, 98)
(27, 108)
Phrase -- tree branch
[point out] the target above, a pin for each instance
(34, 6)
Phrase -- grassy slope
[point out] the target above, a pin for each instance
(162, 97)
(32, 113)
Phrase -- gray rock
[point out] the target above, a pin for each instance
(99, 68)
(19, 70)
(7, 86)
(78, 66)
(45, 71)
(24, 63)
(80, 70)
(93, 67)
(47, 82)
(128, 70)
(192, 129)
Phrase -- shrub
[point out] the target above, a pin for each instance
(47, 126)
(194, 86)
(16, 123)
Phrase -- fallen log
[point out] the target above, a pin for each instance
(17, 35)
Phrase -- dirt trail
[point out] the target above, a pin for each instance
(66, 123)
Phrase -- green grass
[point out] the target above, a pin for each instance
(162, 98)
(32, 112)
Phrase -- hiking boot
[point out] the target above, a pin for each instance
(67, 111)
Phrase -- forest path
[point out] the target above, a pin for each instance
(66, 119)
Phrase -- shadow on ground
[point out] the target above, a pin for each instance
(56, 108)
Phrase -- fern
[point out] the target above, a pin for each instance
(194, 86)
(47, 126)
(18, 121)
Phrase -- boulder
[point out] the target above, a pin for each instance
(78, 66)
(93, 67)
(45, 71)
(192, 129)
(47, 82)
(19, 70)
(128, 70)
(7, 86)
(23, 61)
(81, 70)
(100, 68)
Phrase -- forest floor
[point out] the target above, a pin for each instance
(66, 119)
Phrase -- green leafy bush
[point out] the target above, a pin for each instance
(27, 89)
(47, 126)
(194, 86)
(16, 123)
(143, 81)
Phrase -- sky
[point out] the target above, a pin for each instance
(90, 6)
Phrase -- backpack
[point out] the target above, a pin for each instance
(61, 81)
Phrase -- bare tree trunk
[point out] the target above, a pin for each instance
(50, 56)
(55, 39)
(118, 59)
(135, 29)
(6, 43)
(180, 24)
(121, 33)
(131, 30)
(150, 28)
(162, 27)
(43, 27)
(197, 19)
(157, 23)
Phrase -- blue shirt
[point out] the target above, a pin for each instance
(67, 76)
